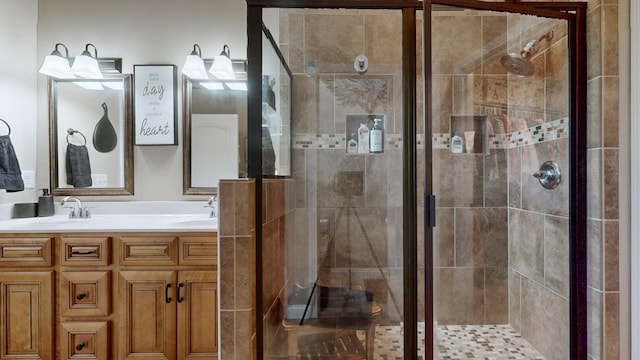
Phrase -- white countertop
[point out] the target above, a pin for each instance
(113, 223)
(121, 217)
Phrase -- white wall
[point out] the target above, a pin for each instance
(140, 32)
(18, 41)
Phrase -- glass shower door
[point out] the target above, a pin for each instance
(501, 109)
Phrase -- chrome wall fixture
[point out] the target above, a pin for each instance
(361, 64)
(549, 175)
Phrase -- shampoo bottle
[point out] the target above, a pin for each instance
(363, 139)
(352, 144)
(376, 141)
(456, 143)
(45, 204)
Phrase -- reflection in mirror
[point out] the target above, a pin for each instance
(276, 110)
(215, 127)
(90, 136)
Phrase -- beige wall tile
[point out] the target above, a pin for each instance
(534, 196)
(381, 190)
(611, 183)
(595, 234)
(460, 296)
(443, 237)
(595, 98)
(496, 294)
(227, 272)
(243, 335)
(243, 272)
(526, 244)
(514, 300)
(227, 325)
(594, 42)
(494, 45)
(557, 80)
(594, 183)
(594, 323)
(326, 43)
(610, 40)
(612, 325)
(226, 197)
(610, 111)
(456, 52)
(296, 43)
(545, 320)
(383, 42)
(303, 106)
(556, 257)
(481, 237)
(611, 255)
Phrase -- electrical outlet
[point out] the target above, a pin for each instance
(29, 179)
(100, 180)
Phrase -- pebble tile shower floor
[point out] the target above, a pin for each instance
(490, 342)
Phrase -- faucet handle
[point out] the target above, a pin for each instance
(72, 212)
(85, 213)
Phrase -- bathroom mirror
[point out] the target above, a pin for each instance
(90, 143)
(214, 134)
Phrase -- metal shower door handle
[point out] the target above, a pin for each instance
(549, 175)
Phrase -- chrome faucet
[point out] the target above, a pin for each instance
(210, 203)
(77, 212)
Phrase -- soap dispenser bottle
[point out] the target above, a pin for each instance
(363, 139)
(45, 204)
(376, 141)
(456, 143)
(352, 144)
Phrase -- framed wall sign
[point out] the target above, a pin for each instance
(155, 103)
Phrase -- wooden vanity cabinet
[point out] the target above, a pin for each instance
(85, 296)
(26, 292)
(167, 297)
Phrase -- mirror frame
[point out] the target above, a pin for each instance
(127, 137)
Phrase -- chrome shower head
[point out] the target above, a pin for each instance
(520, 64)
(517, 64)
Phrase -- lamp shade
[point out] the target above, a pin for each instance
(222, 68)
(194, 65)
(86, 66)
(56, 65)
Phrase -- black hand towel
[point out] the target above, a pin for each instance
(10, 174)
(78, 167)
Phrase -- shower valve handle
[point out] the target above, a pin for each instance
(549, 175)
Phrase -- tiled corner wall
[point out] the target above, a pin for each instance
(237, 270)
(603, 293)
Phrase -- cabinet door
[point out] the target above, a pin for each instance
(147, 314)
(26, 324)
(197, 315)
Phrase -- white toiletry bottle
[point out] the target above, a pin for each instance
(456, 143)
(352, 144)
(376, 140)
(363, 139)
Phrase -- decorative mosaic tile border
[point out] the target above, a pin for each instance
(338, 141)
(553, 130)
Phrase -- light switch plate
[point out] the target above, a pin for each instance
(29, 179)
(100, 180)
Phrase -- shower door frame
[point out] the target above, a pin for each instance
(408, 8)
(575, 15)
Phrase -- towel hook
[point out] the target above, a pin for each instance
(71, 132)
(8, 127)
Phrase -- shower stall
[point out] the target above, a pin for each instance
(417, 251)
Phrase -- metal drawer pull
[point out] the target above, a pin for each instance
(80, 346)
(76, 252)
(167, 299)
(180, 298)
(81, 296)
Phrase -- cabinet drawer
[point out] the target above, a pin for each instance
(26, 252)
(83, 251)
(85, 293)
(198, 250)
(148, 251)
(84, 340)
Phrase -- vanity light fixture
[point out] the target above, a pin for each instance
(86, 66)
(56, 65)
(222, 68)
(194, 65)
